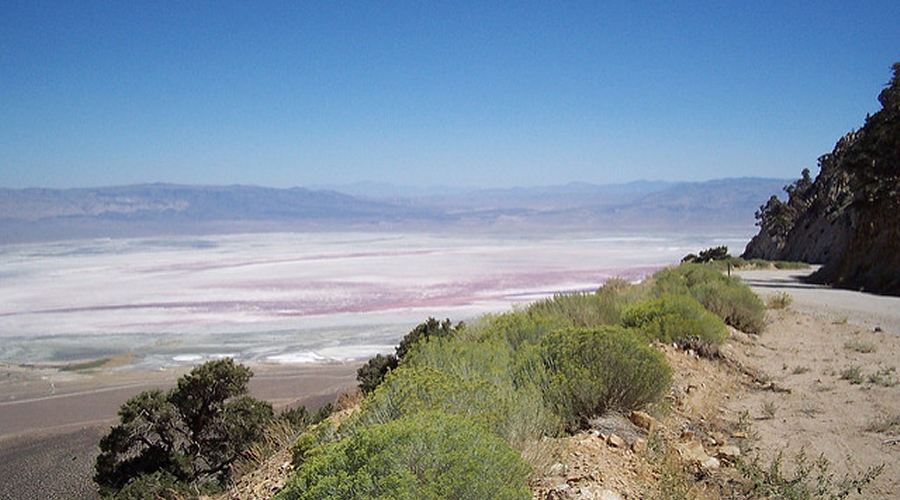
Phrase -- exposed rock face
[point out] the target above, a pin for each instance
(846, 219)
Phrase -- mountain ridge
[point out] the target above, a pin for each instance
(41, 214)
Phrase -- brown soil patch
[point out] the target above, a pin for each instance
(780, 392)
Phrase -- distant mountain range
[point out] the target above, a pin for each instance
(28, 215)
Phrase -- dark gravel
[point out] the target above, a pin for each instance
(48, 467)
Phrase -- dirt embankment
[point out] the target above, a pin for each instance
(822, 379)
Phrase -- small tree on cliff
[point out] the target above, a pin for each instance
(372, 373)
(190, 435)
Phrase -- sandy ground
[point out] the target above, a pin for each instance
(808, 354)
(51, 421)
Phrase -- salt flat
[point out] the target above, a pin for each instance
(292, 297)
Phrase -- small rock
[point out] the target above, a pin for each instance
(644, 421)
(692, 451)
(639, 445)
(609, 495)
(711, 463)
(558, 469)
(615, 441)
(728, 452)
(739, 435)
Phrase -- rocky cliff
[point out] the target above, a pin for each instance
(845, 219)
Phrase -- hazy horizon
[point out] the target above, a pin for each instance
(355, 187)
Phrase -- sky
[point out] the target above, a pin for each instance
(488, 94)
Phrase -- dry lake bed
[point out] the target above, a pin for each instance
(286, 297)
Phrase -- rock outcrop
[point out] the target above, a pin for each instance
(845, 219)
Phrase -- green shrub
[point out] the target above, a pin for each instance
(679, 280)
(423, 456)
(156, 486)
(373, 372)
(734, 303)
(722, 295)
(315, 435)
(413, 389)
(779, 300)
(516, 328)
(580, 309)
(592, 371)
(784, 264)
(671, 318)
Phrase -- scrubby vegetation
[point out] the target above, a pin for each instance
(719, 258)
(531, 373)
(806, 481)
(592, 371)
(372, 373)
(453, 410)
(426, 455)
(672, 318)
(722, 295)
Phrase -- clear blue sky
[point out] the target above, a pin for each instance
(518, 93)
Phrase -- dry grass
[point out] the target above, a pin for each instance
(860, 346)
(779, 300)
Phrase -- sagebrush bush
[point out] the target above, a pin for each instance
(429, 455)
(514, 329)
(463, 377)
(580, 309)
(734, 303)
(672, 318)
(722, 295)
(413, 389)
(592, 371)
(682, 278)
